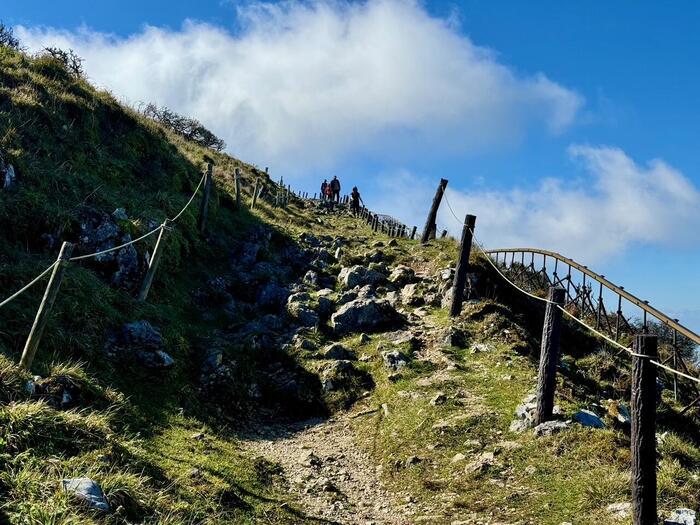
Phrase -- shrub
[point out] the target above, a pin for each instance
(68, 59)
(189, 128)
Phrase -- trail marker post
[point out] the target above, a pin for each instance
(430, 226)
(42, 315)
(237, 183)
(460, 279)
(549, 355)
(204, 209)
(643, 405)
(153, 263)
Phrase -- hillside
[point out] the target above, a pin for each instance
(290, 365)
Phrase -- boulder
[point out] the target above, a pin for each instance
(311, 278)
(325, 307)
(402, 275)
(140, 342)
(412, 295)
(272, 296)
(620, 510)
(343, 384)
(455, 337)
(87, 492)
(366, 315)
(364, 339)
(120, 215)
(303, 314)
(588, 419)
(360, 276)
(338, 351)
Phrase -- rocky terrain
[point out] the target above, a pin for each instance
(289, 366)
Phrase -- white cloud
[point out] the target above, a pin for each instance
(309, 84)
(615, 205)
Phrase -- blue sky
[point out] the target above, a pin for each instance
(593, 106)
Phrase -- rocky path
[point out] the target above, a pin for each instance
(328, 475)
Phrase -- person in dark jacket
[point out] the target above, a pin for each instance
(324, 186)
(355, 201)
(335, 189)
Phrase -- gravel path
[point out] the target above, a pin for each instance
(329, 476)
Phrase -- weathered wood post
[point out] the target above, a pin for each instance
(643, 414)
(460, 279)
(413, 232)
(549, 355)
(204, 208)
(237, 182)
(42, 314)
(153, 263)
(255, 194)
(286, 197)
(430, 225)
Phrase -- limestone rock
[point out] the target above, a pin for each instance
(549, 428)
(682, 517)
(338, 351)
(141, 342)
(365, 315)
(588, 419)
(402, 275)
(360, 276)
(394, 360)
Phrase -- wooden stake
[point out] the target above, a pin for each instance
(255, 194)
(42, 315)
(204, 208)
(462, 268)
(153, 263)
(549, 356)
(644, 511)
(413, 232)
(237, 181)
(430, 225)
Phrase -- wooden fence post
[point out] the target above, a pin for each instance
(460, 279)
(430, 226)
(255, 194)
(237, 182)
(413, 232)
(549, 356)
(42, 315)
(443, 234)
(644, 511)
(204, 208)
(153, 263)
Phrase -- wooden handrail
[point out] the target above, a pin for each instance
(673, 323)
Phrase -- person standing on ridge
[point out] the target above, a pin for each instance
(355, 201)
(324, 186)
(335, 188)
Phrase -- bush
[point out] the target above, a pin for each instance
(68, 59)
(189, 128)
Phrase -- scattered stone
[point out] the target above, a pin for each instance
(458, 457)
(402, 275)
(338, 351)
(455, 337)
(9, 177)
(549, 428)
(619, 413)
(301, 311)
(364, 339)
(141, 342)
(620, 510)
(588, 419)
(439, 399)
(394, 360)
(482, 463)
(120, 215)
(311, 278)
(519, 425)
(478, 348)
(412, 460)
(682, 517)
(411, 295)
(87, 491)
(530, 470)
(393, 242)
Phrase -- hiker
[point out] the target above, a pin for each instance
(355, 202)
(324, 187)
(335, 189)
(328, 195)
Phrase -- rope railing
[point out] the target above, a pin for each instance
(27, 286)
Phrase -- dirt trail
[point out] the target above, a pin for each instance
(329, 476)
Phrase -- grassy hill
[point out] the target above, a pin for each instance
(172, 445)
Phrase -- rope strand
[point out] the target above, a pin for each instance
(27, 286)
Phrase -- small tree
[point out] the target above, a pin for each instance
(8, 38)
(69, 59)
